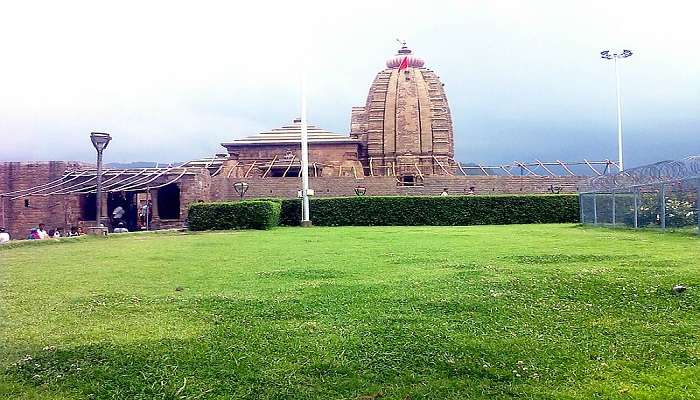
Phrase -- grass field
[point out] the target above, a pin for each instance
(492, 312)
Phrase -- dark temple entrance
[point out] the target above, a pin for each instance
(169, 202)
(127, 200)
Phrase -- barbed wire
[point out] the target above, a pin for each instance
(669, 171)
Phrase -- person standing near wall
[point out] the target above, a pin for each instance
(146, 214)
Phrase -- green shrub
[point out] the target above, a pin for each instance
(423, 210)
(230, 215)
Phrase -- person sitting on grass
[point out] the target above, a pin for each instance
(56, 233)
(121, 228)
(34, 234)
(42, 232)
(4, 236)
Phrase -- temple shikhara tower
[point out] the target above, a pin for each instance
(405, 127)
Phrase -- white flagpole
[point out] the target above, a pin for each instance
(305, 220)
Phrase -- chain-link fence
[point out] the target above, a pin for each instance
(662, 195)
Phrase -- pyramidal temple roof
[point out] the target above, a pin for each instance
(292, 134)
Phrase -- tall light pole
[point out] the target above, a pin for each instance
(100, 141)
(615, 55)
(305, 219)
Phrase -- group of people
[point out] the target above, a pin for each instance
(121, 218)
(471, 191)
(41, 233)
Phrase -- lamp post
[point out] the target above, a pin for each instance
(360, 191)
(241, 188)
(615, 55)
(100, 141)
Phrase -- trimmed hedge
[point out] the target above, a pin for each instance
(389, 210)
(424, 210)
(238, 215)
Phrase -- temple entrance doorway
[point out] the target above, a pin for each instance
(127, 201)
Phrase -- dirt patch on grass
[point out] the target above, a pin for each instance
(299, 273)
(559, 258)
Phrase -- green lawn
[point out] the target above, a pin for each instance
(492, 312)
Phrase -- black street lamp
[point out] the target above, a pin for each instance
(241, 188)
(100, 141)
(360, 191)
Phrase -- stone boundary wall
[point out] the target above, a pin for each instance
(63, 211)
(222, 187)
(50, 210)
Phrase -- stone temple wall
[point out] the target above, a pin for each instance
(222, 187)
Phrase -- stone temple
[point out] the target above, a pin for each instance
(400, 142)
(404, 130)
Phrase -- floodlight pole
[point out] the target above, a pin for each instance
(615, 56)
(619, 116)
(305, 220)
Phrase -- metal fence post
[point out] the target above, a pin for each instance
(697, 205)
(613, 208)
(636, 209)
(595, 210)
(663, 206)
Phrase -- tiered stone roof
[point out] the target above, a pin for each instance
(292, 134)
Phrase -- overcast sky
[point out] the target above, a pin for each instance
(171, 80)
